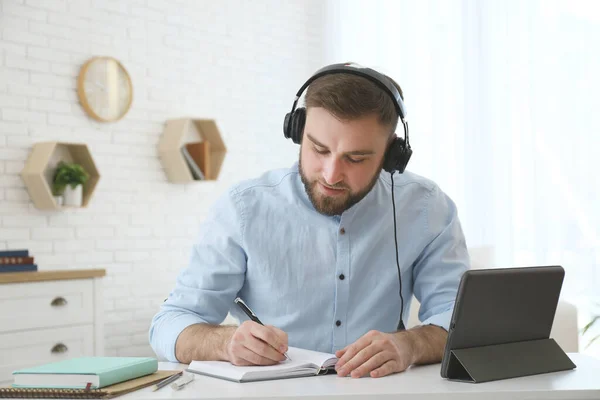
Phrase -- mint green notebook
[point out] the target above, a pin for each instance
(76, 373)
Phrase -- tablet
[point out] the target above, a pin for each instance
(503, 305)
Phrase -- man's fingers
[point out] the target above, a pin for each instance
(274, 337)
(375, 353)
(282, 338)
(245, 349)
(340, 353)
(359, 359)
(372, 363)
(251, 344)
(353, 350)
(249, 357)
(263, 349)
(389, 367)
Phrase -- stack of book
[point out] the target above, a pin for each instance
(16, 261)
(85, 378)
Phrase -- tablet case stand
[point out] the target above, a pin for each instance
(509, 360)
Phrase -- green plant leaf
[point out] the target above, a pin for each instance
(589, 325)
(592, 341)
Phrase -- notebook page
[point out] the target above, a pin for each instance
(314, 357)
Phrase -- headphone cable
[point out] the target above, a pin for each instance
(400, 323)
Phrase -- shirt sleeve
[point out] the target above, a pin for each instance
(439, 267)
(206, 288)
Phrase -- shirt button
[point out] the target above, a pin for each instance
(342, 231)
(338, 322)
(341, 277)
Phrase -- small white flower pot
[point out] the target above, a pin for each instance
(58, 200)
(73, 197)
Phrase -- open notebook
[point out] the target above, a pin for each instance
(304, 363)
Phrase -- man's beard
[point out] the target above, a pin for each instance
(334, 205)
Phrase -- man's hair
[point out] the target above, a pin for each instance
(350, 97)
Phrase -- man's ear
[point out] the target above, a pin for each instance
(392, 137)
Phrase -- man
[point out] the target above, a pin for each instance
(316, 250)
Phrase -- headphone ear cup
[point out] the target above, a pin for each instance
(293, 125)
(287, 125)
(297, 125)
(397, 156)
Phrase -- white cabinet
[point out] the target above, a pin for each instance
(49, 316)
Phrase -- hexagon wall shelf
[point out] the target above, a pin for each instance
(41, 164)
(180, 132)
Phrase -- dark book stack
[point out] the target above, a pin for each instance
(16, 261)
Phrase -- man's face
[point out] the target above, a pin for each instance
(340, 161)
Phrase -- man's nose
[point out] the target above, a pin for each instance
(333, 172)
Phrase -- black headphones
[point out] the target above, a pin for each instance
(398, 152)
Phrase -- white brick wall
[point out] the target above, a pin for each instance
(239, 62)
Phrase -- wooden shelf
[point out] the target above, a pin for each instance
(57, 275)
(41, 164)
(178, 133)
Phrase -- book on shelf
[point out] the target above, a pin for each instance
(14, 253)
(197, 173)
(200, 157)
(15, 260)
(18, 268)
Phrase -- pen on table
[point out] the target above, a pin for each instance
(252, 316)
(166, 381)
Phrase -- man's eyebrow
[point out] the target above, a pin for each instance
(353, 153)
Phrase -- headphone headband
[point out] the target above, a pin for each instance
(355, 69)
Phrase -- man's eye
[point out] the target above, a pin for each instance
(355, 160)
(320, 151)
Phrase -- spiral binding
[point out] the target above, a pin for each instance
(45, 393)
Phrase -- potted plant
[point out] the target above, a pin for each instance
(68, 180)
(588, 327)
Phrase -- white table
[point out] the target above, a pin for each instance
(423, 382)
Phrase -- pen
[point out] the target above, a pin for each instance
(166, 381)
(252, 316)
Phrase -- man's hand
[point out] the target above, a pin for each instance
(376, 354)
(255, 344)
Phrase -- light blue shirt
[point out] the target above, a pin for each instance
(264, 241)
